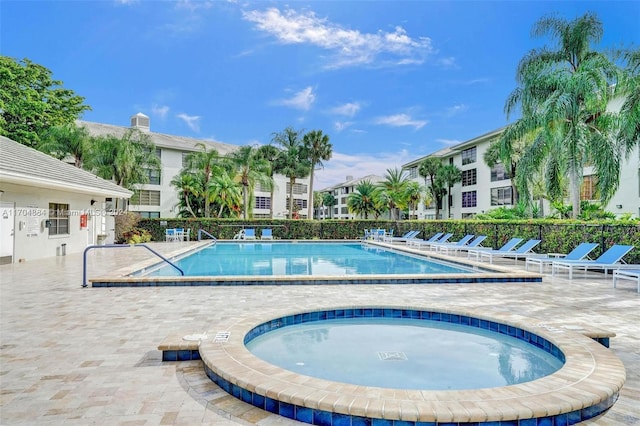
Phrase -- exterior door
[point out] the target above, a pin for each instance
(7, 232)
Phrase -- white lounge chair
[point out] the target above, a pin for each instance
(627, 274)
(608, 261)
(508, 246)
(266, 234)
(581, 251)
(520, 253)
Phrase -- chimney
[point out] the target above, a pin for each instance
(140, 122)
(349, 178)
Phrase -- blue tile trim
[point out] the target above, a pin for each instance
(180, 355)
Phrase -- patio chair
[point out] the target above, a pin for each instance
(608, 261)
(249, 234)
(456, 248)
(416, 241)
(170, 235)
(581, 251)
(520, 253)
(627, 274)
(266, 234)
(420, 244)
(508, 246)
(403, 239)
(463, 241)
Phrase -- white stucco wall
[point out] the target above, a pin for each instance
(30, 208)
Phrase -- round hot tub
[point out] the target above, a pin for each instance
(369, 365)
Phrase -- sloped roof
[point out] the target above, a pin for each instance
(161, 140)
(22, 165)
(372, 178)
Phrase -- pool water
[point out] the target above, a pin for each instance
(403, 354)
(306, 259)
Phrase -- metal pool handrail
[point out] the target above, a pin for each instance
(84, 257)
(202, 231)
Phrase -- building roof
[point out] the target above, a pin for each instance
(22, 165)
(352, 182)
(161, 140)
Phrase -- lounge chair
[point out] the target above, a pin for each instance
(520, 253)
(456, 248)
(608, 261)
(403, 239)
(508, 246)
(462, 242)
(627, 274)
(249, 234)
(581, 251)
(421, 243)
(170, 235)
(266, 234)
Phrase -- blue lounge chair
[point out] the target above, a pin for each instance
(435, 237)
(581, 251)
(249, 234)
(608, 261)
(420, 244)
(456, 248)
(508, 246)
(403, 239)
(520, 253)
(462, 242)
(627, 274)
(266, 234)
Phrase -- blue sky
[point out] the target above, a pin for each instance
(388, 81)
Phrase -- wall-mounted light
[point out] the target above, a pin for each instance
(619, 206)
(93, 202)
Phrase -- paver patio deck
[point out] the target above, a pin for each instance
(78, 356)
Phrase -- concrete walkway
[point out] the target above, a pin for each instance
(77, 356)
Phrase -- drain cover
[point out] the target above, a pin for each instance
(222, 336)
(392, 356)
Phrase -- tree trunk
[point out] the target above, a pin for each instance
(310, 201)
(245, 196)
(291, 182)
(575, 183)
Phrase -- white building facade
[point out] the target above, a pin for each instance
(159, 198)
(341, 194)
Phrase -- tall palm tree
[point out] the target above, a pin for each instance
(270, 154)
(449, 175)
(189, 192)
(250, 168)
(392, 189)
(630, 111)
(318, 150)
(563, 94)
(428, 168)
(206, 163)
(292, 161)
(413, 193)
(65, 141)
(225, 192)
(329, 200)
(317, 202)
(363, 201)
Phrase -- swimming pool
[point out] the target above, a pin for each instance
(256, 263)
(587, 385)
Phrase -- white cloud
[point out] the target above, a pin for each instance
(160, 111)
(448, 63)
(349, 109)
(400, 120)
(192, 5)
(342, 165)
(350, 47)
(301, 100)
(191, 121)
(342, 125)
(456, 109)
(449, 142)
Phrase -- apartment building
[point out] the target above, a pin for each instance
(484, 188)
(159, 198)
(341, 193)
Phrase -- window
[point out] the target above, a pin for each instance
(502, 196)
(261, 187)
(344, 210)
(413, 172)
(589, 191)
(498, 172)
(469, 156)
(301, 203)
(263, 203)
(149, 215)
(469, 199)
(469, 177)
(154, 176)
(58, 219)
(343, 200)
(298, 188)
(146, 197)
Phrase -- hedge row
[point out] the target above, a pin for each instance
(556, 236)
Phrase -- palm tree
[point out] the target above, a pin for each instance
(563, 95)
(292, 161)
(250, 167)
(226, 193)
(413, 193)
(318, 149)
(189, 191)
(65, 141)
(126, 160)
(630, 111)
(363, 201)
(329, 201)
(205, 163)
(428, 168)
(392, 190)
(270, 153)
(449, 175)
(317, 202)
